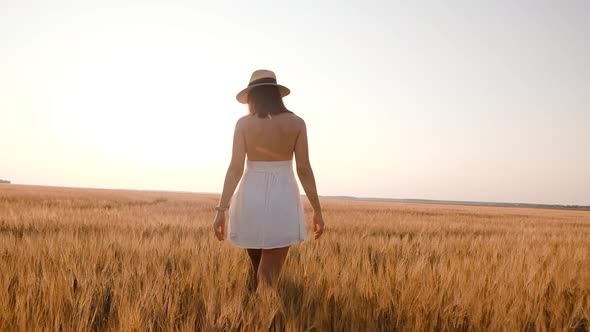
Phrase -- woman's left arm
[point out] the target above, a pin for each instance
(232, 178)
(236, 166)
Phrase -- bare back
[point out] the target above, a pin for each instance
(271, 139)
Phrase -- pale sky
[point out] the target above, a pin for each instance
(467, 100)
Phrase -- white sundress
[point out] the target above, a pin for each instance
(266, 210)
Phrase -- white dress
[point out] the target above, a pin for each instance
(266, 210)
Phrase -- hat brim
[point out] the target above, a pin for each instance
(242, 96)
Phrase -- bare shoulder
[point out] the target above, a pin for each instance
(244, 118)
(297, 120)
(242, 121)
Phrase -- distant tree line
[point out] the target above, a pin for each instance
(4, 181)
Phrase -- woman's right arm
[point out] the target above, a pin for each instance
(304, 170)
(307, 179)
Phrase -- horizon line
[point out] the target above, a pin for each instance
(359, 198)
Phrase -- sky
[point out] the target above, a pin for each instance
(461, 100)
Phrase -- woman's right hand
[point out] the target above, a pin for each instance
(318, 224)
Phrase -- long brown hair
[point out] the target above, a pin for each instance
(265, 101)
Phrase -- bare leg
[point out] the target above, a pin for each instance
(255, 255)
(271, 263)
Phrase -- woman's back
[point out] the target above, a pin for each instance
(272, 138)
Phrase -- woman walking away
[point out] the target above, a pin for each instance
(266, 212)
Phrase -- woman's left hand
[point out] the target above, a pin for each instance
(219, 225)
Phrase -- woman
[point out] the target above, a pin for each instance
(266, 212)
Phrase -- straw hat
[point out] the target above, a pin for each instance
(258, 78)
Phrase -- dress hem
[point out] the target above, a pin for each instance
(264, 247)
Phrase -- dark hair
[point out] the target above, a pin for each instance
(266, 100)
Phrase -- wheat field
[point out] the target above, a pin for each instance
(109, 260)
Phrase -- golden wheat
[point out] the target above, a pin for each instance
(81, 259)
